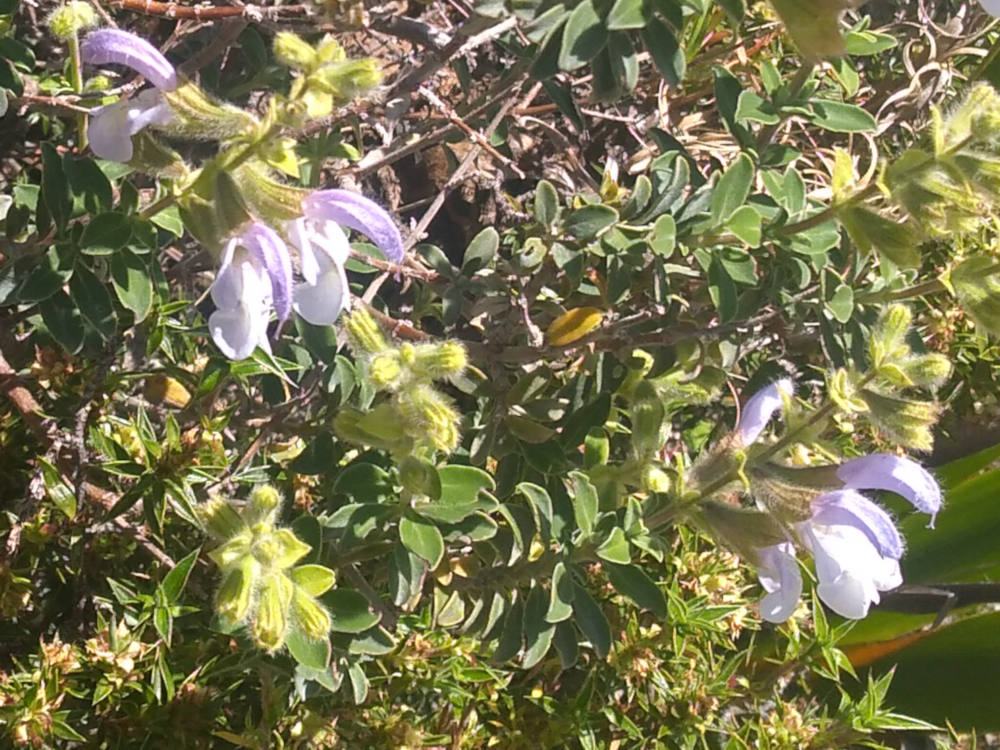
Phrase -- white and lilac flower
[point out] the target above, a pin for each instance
(992, 7)
(254, 276)
(854, 542)
(112, 126)
(760, 407)
(323, 248)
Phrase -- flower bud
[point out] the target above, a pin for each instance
(977, 288)
(220, 519)
(888, 342)
(365, 332)
(429, 417)
(151, 157)
(235, 595)
(655, 479)
(71, 19)
(329, 50)
(385, 370)
(814, 25)
(348, 79)
(280, 549)
(928, 370)
(230, 553)
(263, 506)
(271, 618)
(200, 117)
(743, 531)
(780, 493)
(310, 618)
(292, 51)
(906, 421)
(439, 361)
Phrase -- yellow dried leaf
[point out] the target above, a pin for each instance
(573, 325)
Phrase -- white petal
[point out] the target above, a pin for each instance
(233, 331)
(322, 303)
(848, 566)
(148, 107)
(309, 263)
(779, 575)
(108, 132)
(992, 7)
(329, 236)
(227, 289)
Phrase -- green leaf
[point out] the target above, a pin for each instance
(537, 631)
(313, 579)
(512, 634)
(565, 644)
(463, 491)
(106, 233)
(481, 251)
(63, 321)
(583, 36)
(546, 204)
(745, 223)
(175, 581)
(637, 586)
(422, 538)
(94, 302)
(58, 491)
(627, 14)
(560, 595)
(585, 502)
(55, 186)
(591, 620)
(722, 290)
(541, 506)
(132, 283)
(732, 189)
(841, 304)
(665, 50)
(868, 42)
(841, 117)
(614, 549)
(589, 221)
(170, 220)
(309, 652)
(663, 238)
(349, 611)
(751, 106)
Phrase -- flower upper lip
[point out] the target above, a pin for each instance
(106, 46)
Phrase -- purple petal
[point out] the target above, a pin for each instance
(268, 248)
(358, 213)
(779, 575)
(849, 508)
(885, 471)
(759, 409)
(116, 46)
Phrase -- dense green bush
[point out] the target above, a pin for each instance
(566, 446)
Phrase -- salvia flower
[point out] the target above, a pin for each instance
(992, 7)
(759, 409)
(254, 276)
(323, 248)
(854, 542)
(112, 126)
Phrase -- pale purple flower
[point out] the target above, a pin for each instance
(112, 126)
(323, 248)
(759, 408)
(779, 575)
(885, 471)
(854, 542)
(992, 7)
(254, 276)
